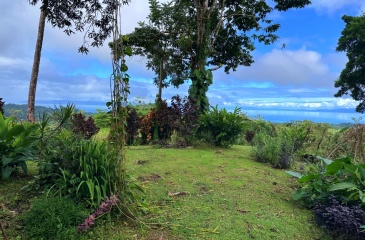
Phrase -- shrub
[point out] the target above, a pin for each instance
(340, 178)
(340, 220)
(133, 125)
(186, 117)
(272, 150)
(76, 167)
(224, 126)
(82, 126)
(53, 218)
(158, 124)
(17, 145)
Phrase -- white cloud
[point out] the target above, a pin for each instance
(317, 103)
(295, 68)
(335, 5)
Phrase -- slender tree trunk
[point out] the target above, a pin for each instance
(35, 69)
(160, 81)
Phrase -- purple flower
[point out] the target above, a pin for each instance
(105, 207)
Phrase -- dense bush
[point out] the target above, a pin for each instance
(290, 142)
(83, 126)
(76, 167)
(17, 145)
(186, 116)
(133, 125)
(340, 220)
(274, 150)
(53, 218)
(158, 124)
(222, 126)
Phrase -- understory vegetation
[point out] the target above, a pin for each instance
(214, 176)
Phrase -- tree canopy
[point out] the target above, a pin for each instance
(95, 18)
(195, 37)
(352, 77)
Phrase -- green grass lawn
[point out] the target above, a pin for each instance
(205, 194)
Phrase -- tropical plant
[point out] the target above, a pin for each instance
(340, 178)
(17, 145)
(224, 126)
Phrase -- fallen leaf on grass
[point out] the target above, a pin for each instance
(243, 211)
(170, 194)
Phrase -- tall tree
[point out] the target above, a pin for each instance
(94, 17)
(205, 35)
(352, 78)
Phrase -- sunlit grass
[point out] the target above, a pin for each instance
(221, 194)
(194, 194)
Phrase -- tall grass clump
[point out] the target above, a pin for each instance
(281, 150)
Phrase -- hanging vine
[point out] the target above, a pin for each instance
(119, 88)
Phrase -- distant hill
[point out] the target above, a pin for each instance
(20, 110)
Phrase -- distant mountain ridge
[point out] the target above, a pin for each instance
(20, 110)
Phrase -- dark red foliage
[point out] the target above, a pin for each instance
(186, 115)
(83, 126)
(249, 135)
(2, 106)
(162, 121)
(158, 124)
(133, 124)
(339, 219)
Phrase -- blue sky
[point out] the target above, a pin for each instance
(298, 77)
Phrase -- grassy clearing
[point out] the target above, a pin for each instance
(195, 194)
(222, 194)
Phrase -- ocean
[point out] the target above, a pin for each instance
(281, 116)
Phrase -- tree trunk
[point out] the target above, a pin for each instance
(160, 82)
(35, 69)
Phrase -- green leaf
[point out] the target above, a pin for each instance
(14, 132)
(342, 186)
(124, 68)
(6, 160)
(6, 172)
(361, 196)
(128, 51)
(333, 168)
(108, 104)
(308, 178)
(300, 193)
(294, 174)
(325, 160)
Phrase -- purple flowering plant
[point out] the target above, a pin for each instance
(105, 207)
